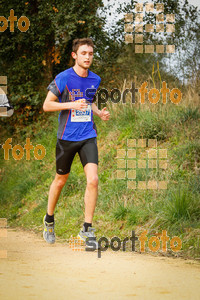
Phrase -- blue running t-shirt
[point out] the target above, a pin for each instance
(75, 125)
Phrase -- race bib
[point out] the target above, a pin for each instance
(81, 116)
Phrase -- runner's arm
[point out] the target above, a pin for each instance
(50, 104)
(96, 111)
(103, 114)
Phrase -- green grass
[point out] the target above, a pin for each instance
(182, 205)
(120, 212)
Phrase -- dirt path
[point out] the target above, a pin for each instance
(36, 270)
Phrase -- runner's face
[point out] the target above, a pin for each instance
(84, 56)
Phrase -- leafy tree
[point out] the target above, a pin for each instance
(185, 63)
(31, 59)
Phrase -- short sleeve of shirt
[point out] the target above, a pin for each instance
(99, 82)
(96, 87)
(57, 86)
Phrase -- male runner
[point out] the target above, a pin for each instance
(76, 132)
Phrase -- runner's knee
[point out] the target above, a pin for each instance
(60, 181)
(92, 181)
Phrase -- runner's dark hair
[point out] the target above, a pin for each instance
(79, 42)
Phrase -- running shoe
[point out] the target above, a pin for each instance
(48, 233)
(89, 238)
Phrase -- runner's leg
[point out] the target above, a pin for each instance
(65, 152)
(91, 191)
(55, 190)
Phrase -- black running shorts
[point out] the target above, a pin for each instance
(66, 150)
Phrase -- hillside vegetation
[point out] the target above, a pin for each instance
(25, 184)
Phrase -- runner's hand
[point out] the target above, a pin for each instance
(79, 104)
(105, 115)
